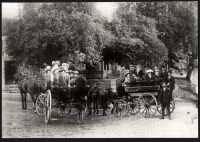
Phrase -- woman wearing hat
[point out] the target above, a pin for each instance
(149, 75)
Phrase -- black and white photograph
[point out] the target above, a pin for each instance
(100, 69)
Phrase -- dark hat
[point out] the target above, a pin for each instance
(169, 71)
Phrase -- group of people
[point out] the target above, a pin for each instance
(163, 77)
(145, 75)
(61, 76)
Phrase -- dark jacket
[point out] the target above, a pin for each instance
(165, 96)
(163, 76)
(171, 80)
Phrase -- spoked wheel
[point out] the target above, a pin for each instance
(48, 106)
(40, 104)
(120, 108)
(148, 105)
(171, 108)
(134, 106)
(64, 110)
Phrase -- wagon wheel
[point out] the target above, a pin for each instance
(148, 105)
(64, 110)
(120, 108)
(48, 106)
(40, 104)
(171, 108)
(134, 106)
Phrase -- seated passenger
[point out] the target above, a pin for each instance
(62, 79)
(156, 75)
(47, 75)
(149, 75)
(55, 65)
(54, 77)
(127, 79)
(141, 75)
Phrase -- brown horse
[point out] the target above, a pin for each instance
(34, 87)
(99, 96)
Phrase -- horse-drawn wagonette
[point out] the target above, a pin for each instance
(141, 96)
(67, 91)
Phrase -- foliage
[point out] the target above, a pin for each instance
(139, 32)
(136, 37)
(54, 32)
(176, 25)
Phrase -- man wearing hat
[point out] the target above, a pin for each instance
(132, 70)
(164, 95)
(163, 74)
(170, 83)
(47, 74)
(156, 75)
(65, 66)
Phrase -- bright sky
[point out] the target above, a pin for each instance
(107, 9)
(9, 10)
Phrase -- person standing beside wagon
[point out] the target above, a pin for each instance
(165, 100)
(170, 83)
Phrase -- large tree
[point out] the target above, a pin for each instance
(136, 37)
(176, 25)
(55, 31)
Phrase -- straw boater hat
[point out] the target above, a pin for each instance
(54, 68)
(149, 71)
(48, 68)
(156, 70)
(56, 63)
(75, 72)
(65, 66)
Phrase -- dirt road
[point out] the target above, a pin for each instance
(17, 123)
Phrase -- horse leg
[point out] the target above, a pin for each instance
(34, 101)
(89, 107)
(25, 101)
(22, 99)
(96, 107)
(104, 108)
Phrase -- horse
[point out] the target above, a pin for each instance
(93, 99)
(100, 96)
(34, 87)
(79, 95)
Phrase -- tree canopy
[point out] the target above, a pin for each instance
(55, 31)
(139, 32)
